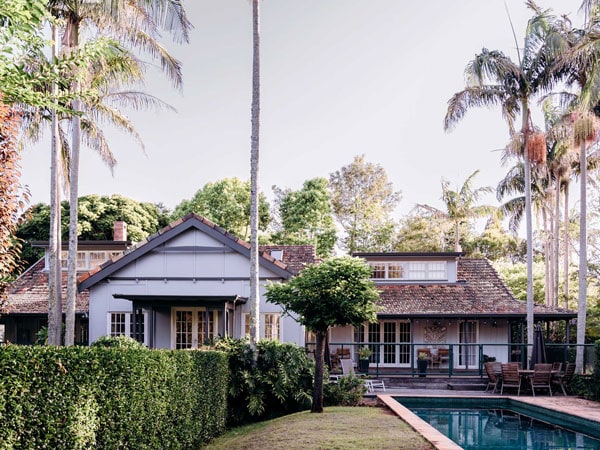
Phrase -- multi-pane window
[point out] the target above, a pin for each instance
(413, 270)
(122, 324)
(86, 259)
(272, 325)
(388, 340)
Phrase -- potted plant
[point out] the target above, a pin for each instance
(364, 353)
(422, 363)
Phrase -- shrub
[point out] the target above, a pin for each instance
(348, 391)
(117, 341)
(106, 398)
(279, 381)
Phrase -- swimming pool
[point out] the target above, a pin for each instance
(501, 423)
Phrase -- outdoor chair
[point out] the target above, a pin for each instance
(556, 367)
(540, 379)
(564, 380)
(511, 378)
(493, 377)
(374, 384)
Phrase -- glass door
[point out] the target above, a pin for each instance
(192, 327)
(467, 335)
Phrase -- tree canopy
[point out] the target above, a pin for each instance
(225, 202)
(339, 292)
(305, 217)
(363, 200)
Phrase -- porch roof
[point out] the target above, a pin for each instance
(180, 300)
(478, 292)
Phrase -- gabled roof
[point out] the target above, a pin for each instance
(478, 292)
(28, 294)
(175, 228)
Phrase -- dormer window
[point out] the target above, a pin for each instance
(410, 270)
(87, 259)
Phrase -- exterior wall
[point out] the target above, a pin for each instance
(493, 334)
(168, 272)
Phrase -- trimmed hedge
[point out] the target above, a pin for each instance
(107, 398)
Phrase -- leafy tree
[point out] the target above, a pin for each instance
(420, 231)
(12, 195)
(339, 292)
(227, 203)
(305, 217)
(96, 218)
(496, 243)
(363, 200)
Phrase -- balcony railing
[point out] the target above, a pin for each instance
(457, 359)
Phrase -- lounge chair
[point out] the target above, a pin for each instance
(370, 384)
(564, 380)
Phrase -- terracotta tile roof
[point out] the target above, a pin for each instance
(295, 257)
(28, 294)
(479, 292)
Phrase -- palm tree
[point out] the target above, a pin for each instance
(136, 24)
(254, 188)
(461, 205)
(494, 79)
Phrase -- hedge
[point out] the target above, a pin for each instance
(107, 398)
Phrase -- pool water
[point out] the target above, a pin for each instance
(502, 429)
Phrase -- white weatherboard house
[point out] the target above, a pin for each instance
(187, 284)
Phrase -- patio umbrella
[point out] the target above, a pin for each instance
(538, 353)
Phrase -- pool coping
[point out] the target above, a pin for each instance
(582, 408)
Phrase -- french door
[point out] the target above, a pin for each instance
(467, 336)
(393, 339)
(192, 327)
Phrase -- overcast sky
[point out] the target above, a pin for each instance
(339, 78)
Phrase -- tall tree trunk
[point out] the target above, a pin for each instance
(582, 294)
(556, 236)
(567, 246)
(457, 247)
(54, 244)
(73, 42)
(317, 404)
(528, 223)
(254, 191)
(547, 256)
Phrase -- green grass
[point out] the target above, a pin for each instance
(337, 428)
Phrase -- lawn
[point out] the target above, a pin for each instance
(337, 428)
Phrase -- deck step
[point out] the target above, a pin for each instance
(467, 386)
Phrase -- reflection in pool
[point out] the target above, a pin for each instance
(502, 429)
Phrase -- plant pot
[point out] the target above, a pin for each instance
(422, 367)
(363, 365)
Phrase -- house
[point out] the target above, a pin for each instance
(188, 284)
(436, 302)
(27, 310)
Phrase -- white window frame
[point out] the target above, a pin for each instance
(128, 324)
(195, 324)
(272, 328)
(411, 270)
(263, 325)
(83, 259)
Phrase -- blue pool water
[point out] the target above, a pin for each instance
(473, 424)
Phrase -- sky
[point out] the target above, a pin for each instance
(339, 78)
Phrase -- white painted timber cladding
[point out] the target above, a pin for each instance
(180, 273)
